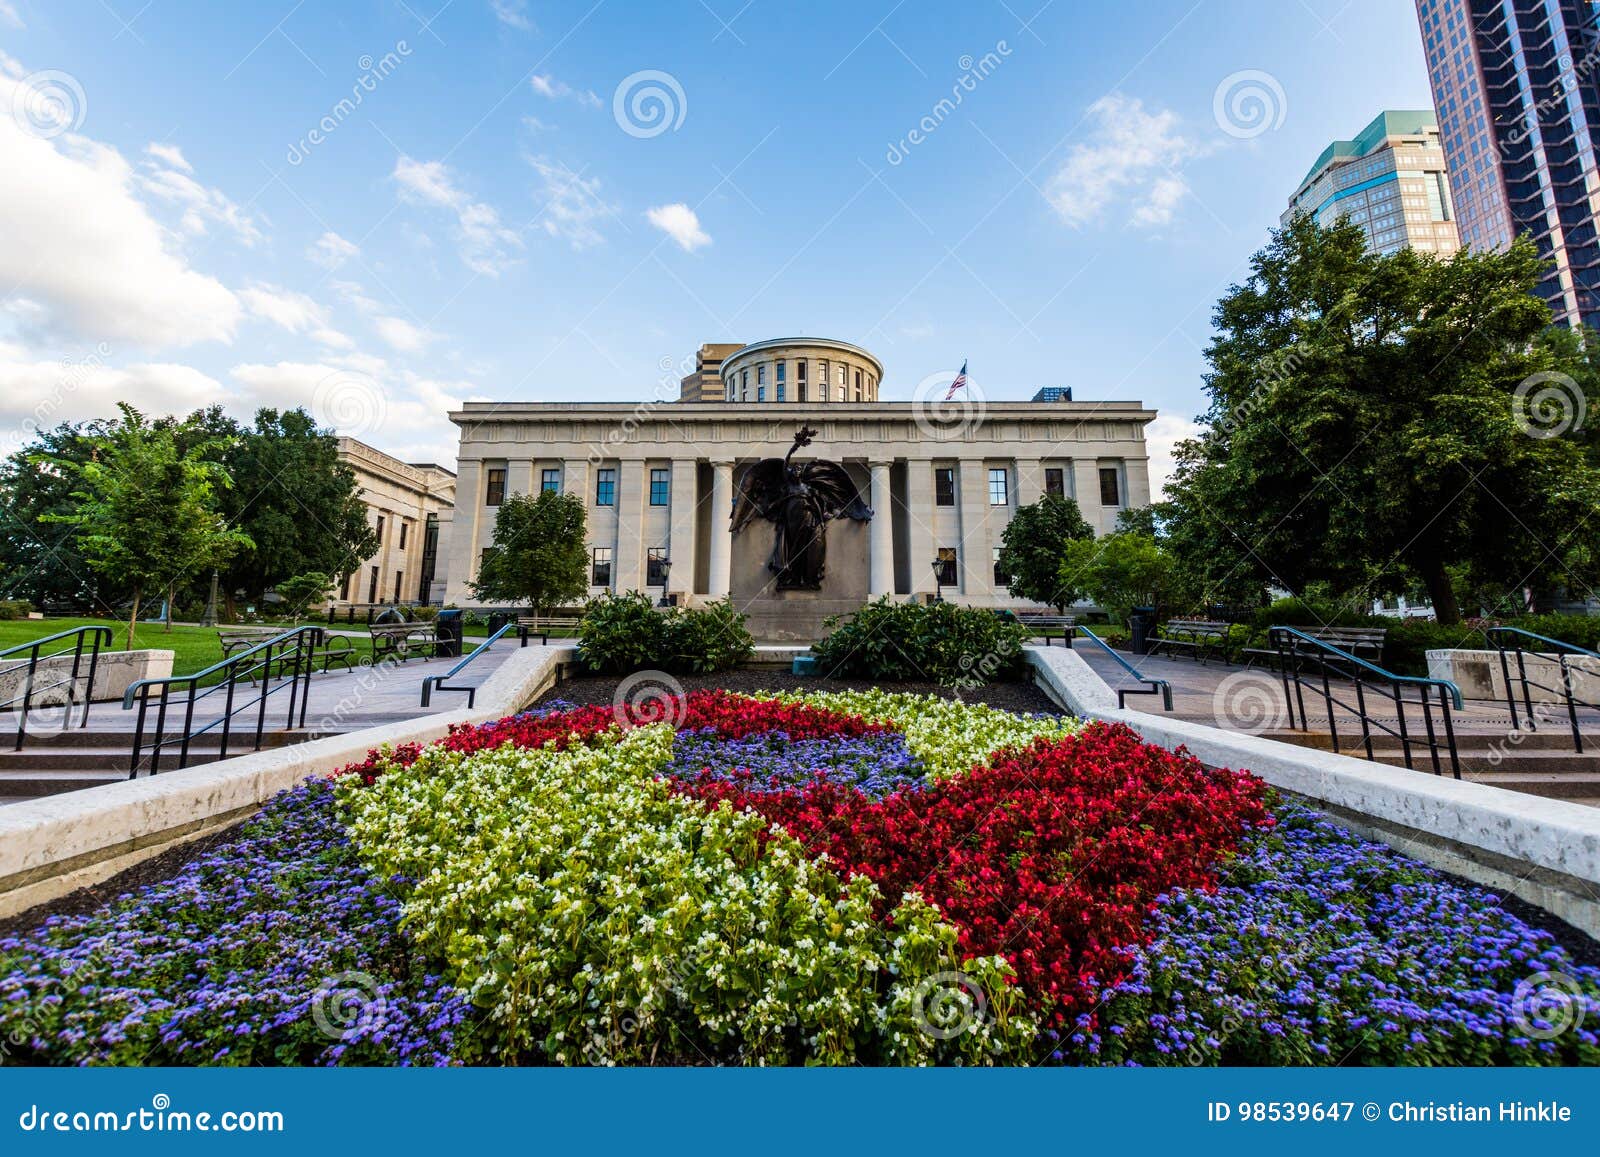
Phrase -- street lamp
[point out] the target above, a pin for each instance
(938, 580)
(665, 566)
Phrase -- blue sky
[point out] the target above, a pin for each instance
(486, 222)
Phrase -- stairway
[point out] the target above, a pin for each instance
(1538, 763)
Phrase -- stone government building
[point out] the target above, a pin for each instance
(658, 479)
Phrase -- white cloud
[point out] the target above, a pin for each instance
(573, 206)
(401, 334)
(483, 239)
(81, 244)
(39, 395)
(679, 222)
(512, 13)
(199, 204)
(295, 312)
(1131, 158)
(1161, 439)
(548, 86)
(169, 155)
(9, 15)
(331, 251)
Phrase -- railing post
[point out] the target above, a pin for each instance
(1527, 695)
(161, 729)
(138, 731)
(1433, 736)
(1361, 710)
(101, 636)
(27, 694)
(1450, 733)
(1572, 709)
(1400, 715)
(1511, 696)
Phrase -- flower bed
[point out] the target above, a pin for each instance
(860, 878)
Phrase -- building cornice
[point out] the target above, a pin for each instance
(825, 343)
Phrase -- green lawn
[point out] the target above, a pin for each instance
(194, 648)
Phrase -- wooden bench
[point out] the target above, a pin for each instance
(336, 650)
(403, 640)
(1043, 622)
(1362, 642)
(243, 638)
(543, 625)
(1197, 636)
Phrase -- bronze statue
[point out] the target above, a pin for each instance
(801, 499)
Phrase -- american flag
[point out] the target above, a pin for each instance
(959, 383)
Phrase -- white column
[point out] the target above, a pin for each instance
(1030, 481)
(464, 533)
(1086, 477)
(520, 478)
(881, 532)
(920, 515)
(976, 567)
(681, 538)
(633, 498)
(721, 541)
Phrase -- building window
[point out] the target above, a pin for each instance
(1055, 481)
(841, 373)
(605, 486)
(999, 489)
(782, 377)
(349, 586)
(660, 487)
(399, 584)
(946, 575)
(761, 374)
(1109, 490)
(600, 568)
(744, 385)
(404, 526)
(944, 486)
(550, 480)
(800, 370)
(780, 391)
(655, 567)
(380, 531)
(495, 492)
(761, 393)
(372, 586)
(1000, 576)
(803, 391)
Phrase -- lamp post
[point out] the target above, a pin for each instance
(665, 566)
(209, 617)
(938, 580)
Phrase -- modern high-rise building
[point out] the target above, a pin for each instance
(1517, 87)
(1390, 180)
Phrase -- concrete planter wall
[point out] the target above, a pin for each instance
(1478, 674)
(115, 671)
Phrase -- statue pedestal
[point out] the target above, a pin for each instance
(797, 616)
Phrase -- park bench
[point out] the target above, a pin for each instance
(1198, 637)
(402, 640)
(1362, 642)
(543, 625)
(1042, 623)
(336, 650)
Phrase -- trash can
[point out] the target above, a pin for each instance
(449, 626)
(1140, 623)
(499, 619)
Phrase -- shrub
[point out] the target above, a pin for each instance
(15, 608)
(949, 644)
(620, 633)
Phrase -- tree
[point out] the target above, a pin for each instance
(1123, 570)
(304, 590)
(540, 553)
(1034, 543)
(1378, 419)
(145, 514)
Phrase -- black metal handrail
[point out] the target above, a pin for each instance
(1510, 639)
(437, 682)
(1151, 686)
(1295, 647)
(291, 654)
(84, 639)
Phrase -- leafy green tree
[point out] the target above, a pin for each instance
(540, 554)
(1378, 419)
(1033, 544)
(40, 559)
(304, 590)
(1123, 570)
(146, 512)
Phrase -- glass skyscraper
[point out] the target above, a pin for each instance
(1516, 84)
